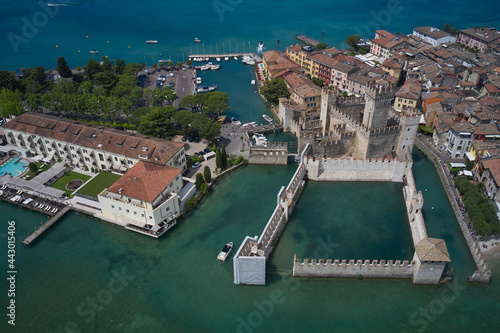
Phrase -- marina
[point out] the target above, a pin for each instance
(220, 56)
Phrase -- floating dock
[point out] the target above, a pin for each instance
(31, 238)
(229, 55)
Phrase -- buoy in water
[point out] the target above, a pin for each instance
(87, 36)
(108, 41)
(78, 51)
(129, 46)
(57, 46)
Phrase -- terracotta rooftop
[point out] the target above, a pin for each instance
(295, 48)
(491, 88)
(493, 164)
(307, 90)
(294, 79)
(391, 63)
(485, 34)
(96, 137)
(431, 32)
(382, 41)
(432, 249)
(145, 181)
(411, 89)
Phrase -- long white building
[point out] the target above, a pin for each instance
(91, 146)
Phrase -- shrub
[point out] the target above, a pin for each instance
(204, 188)
(190, 203)
(238, 160)
(207, 174)
(66, 165)
(33, 167)
(199, 180)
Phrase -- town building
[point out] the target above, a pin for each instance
(90, 146)
(489, 174)
(433, 36)
(145, 198)
(459, 139)
(409, 95)
(479, 38)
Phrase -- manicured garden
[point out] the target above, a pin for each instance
(62, 183)
(98, 183)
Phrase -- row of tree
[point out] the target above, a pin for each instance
(480, 210)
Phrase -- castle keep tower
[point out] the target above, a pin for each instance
(378, 103)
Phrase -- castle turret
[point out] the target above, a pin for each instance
(409, 120)
(328, 98)
(378, 102)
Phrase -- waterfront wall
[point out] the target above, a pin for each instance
(353, 268)
(250, 259)
(350, 169)
(272, 154)
(482, 273)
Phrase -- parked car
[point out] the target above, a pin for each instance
(196, 165)
(197, 139)
(191, 137)
(206, 150)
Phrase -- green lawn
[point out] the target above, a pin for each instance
(61, 183)
(100, 182)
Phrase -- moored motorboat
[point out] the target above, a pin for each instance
(236, 121)
(206, 89)
(214, 67)
(197, 40)
(198, 80)
(218, 59)
(267, 118)
(151, 41)
(94, 52)
(226, 58)
(225, 251)
(261, 45)
(235, 58)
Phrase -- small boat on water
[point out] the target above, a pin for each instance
(261, 45)
(94, 52)
(198, 80)
(218, 59)
(197, 40)
(260, 139)
(225, 251)
(235, 58)
(255, 90)
(205, 67)
(267, 118)
(252, 82)
(215, 67)
(206, 89)
(226, 58)
(236, 121)
(151, 41)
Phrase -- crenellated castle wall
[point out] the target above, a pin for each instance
(275, 153)
(353, 268)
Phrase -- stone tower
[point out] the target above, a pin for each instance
(378, 102)
(408, 121)
(327, 99)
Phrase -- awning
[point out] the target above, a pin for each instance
(467, 173)
(457, 165)
(470, 157)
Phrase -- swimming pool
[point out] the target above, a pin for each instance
(13, 168)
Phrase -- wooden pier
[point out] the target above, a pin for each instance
(31, 238)
(307, 40)
(229, 55)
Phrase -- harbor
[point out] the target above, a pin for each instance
(213, 56)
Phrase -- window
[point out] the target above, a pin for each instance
(119, 208)
(130, 162)
(85, 151)
(135, 213)
(150, 217)
(128, 211)
(59, 145)
(71, 147)
(87, 159)
(116, 159)
(49, 149)
(74, 155)
(47, 141)
(101, 157)
(112, 206)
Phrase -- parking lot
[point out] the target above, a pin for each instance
(181, 81)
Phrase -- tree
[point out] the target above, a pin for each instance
(352, 41)
(62, 68)
(190, 203)
(183, 118)
(34, 80)
(170, 63)
(11, 103)
(189, 62)
(223, 157)
(133, 68)
(199, 180)
(321, 46)
(126, 83)
(189, 101)
(136, 95)
(275, 89)
(8, 80)
(446, 27)
(91, 69)
(156, 123)
(218, 159)
(317, 81)
(33, 167)
(216, 103)
(207, 174)
(120, 66)
(179, 63)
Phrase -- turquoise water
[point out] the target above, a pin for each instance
(14, 167)
(175, 25)
(176, 284)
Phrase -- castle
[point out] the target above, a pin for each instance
(355, 126)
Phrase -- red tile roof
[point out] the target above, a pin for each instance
(493, 164)
(96, 137)
(145, 181)
(411, 89)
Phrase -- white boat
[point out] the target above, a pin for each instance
(260, 139)
(94, 52)
(198, 80)
(267, 118)
(206, 89)
(197, 40)
(226, 58)
(215, 67)
(151, 41)
(206, 58)
(250, 124)
(225, 251)
(252, 82)
(251, 62)
(235, 58)
(261, 45)
(205, 67)
(218, 59)
(236, 121)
